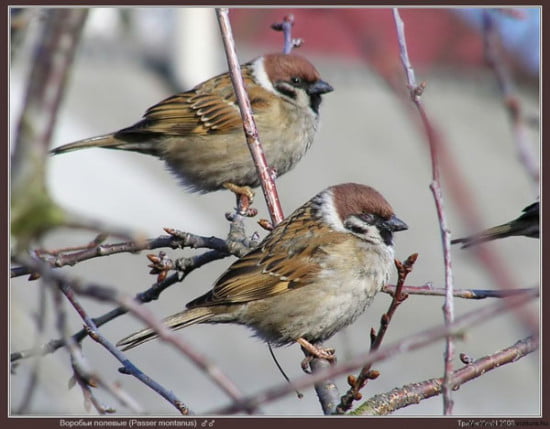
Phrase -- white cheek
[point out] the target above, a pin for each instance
(258, 70)
(330, 215)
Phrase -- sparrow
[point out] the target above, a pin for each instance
(199, 133)
(527, 224)
(313, 275)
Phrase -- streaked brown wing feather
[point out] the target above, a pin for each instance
(206, 108)
(263, 272)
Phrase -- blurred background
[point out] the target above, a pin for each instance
(131, 58)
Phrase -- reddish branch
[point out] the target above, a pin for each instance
(357, 383)
(434, 144)
(265, 173)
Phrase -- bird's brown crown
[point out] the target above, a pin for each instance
(353, 198)
(282, 67)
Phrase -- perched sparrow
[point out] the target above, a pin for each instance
(527, 224)
(199, 133)
(314, 274)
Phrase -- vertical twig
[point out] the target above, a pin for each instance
(448, 306)
(249, 125)
(367, 373)
(286, 27)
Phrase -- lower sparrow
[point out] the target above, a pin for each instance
(313, 275)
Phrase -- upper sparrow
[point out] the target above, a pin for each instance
(314, 274)
(526, 224)
(199, 133)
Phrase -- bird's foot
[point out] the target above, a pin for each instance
(314, 352)
(245, 197)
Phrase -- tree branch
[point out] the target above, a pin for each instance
(428, 289)
(433, 140)
(265, 173)
(357, 383)
(386, 403)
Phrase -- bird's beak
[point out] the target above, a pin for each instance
(396, 224)
(319, 87)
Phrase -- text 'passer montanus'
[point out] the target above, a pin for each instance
(199, 133)
(527, 224)
(314, 274)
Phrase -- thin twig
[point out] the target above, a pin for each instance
(366, 373)
(176, 240)
(428, 289)
(83, 374)
(103, 293)
(249, 125)
(237, 243)
(187, 266)
(386, 403)
(411, 343)
(433, 140)
(91, 328)
(286, 28)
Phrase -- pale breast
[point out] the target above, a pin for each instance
(317, 311)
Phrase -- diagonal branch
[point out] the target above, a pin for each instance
(386, 403)
(265, 173)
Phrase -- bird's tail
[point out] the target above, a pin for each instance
(176, 321)
(110, 141)
(500, 231)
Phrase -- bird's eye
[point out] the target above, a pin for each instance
(296, 80)
(368, 217)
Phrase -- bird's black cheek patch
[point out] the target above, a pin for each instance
(286, 90)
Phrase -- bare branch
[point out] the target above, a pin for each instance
(433, 140)
(103, 293)
(386, 403)
(428, 289)
(357, 383)
(286, 28)
(265, 173)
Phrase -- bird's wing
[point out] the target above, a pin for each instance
(287, 259)
(210, 107)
